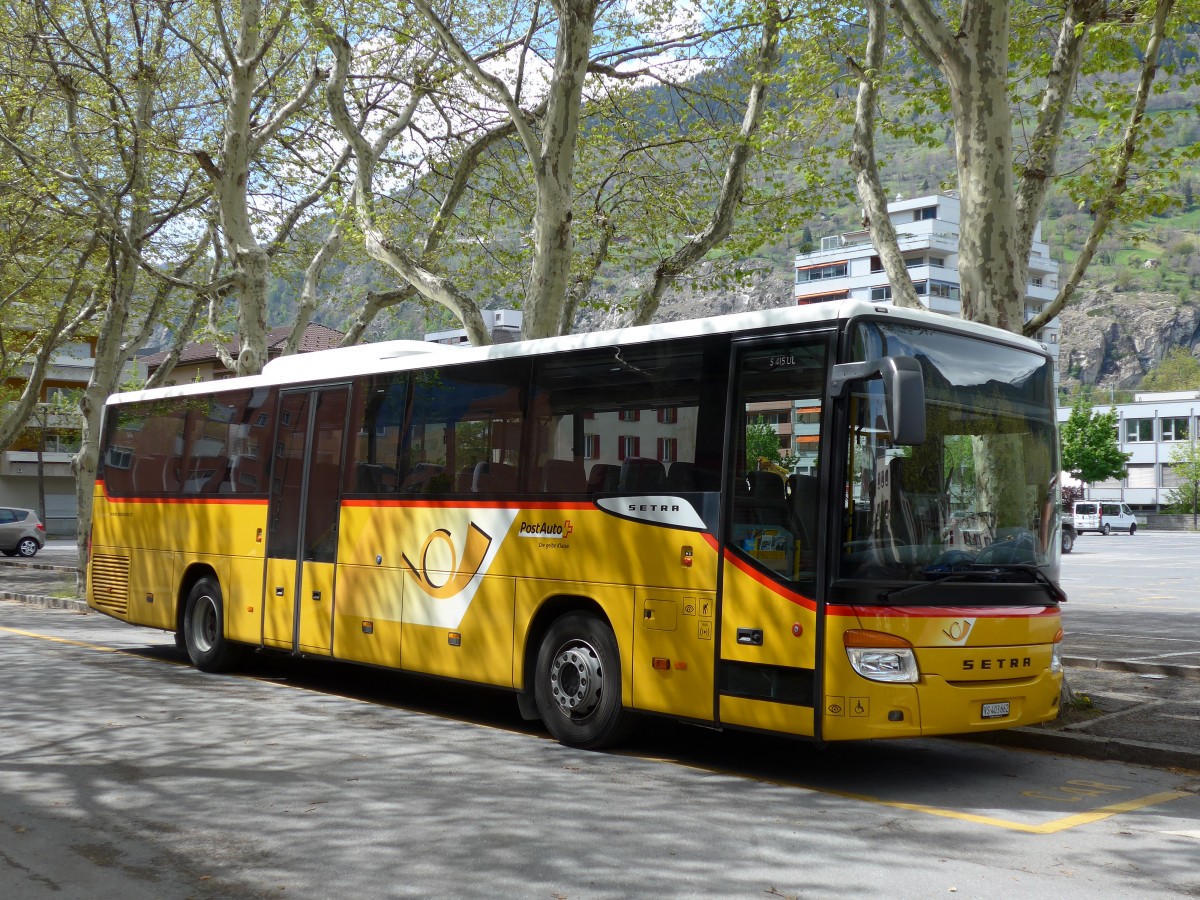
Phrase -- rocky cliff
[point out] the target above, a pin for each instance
(1114, 339)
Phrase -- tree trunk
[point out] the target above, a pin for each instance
(554, 172)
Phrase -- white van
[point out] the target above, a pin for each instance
(1104, 516)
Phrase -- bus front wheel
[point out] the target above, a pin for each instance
(204, 629)
(577, 683)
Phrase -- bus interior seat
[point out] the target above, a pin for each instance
(465, 479)
(686, 476)
(418, 480)
(603, 478)
(803, 496)
(493, 477)
(642, 474)
(563, 476)
(767, 498)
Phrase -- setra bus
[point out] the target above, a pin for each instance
(585, 520)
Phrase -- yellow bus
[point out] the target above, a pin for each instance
(601, 522)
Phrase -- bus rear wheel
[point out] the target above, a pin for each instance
(577, 683)
(204, 629)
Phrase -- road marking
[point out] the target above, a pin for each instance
(1195, 835)
(1052, 827)
(58, 640)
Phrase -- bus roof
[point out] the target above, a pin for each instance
(386, 356)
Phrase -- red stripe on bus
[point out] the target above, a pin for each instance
(942, 612)
(222, 500)
(469, 504)
(767, 582)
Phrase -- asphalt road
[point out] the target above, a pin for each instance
(1140, 593)
(124, 773)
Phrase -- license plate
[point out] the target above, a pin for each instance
(995, 710)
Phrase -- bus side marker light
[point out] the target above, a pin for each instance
(877, 656)
(1056, 652)
(685, 557)
(368, 627)
(797, 629)
(661, 663)
(455, 639)
(149, 598)
(258, 537)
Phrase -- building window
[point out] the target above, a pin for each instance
(876, 264)
(591, 446)
(939, 261)
(1037, 282)
(928, 212)
(820, 273)
(881, 293)
(668, 449)
(1140, 476)
(630, 415)
(1169, 478)
(1139, 431)
(914, 262)
(1175, 429)
(628, 446)
(668, 416)
(943, 289)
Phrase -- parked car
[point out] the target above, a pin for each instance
(21, 532)
(1104, 516)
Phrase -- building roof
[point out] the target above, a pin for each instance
(315, 337)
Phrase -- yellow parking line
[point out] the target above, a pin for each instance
(58, 640)
(1051, 827)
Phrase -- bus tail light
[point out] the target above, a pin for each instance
(881, 657)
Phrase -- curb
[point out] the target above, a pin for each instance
(43, 602)
(51, 567)
(1088, 746)
(1134, 667)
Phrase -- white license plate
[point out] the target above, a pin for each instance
(995, 710)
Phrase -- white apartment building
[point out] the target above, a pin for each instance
(1149, 428)
(848, 266)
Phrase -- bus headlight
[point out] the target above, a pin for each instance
(881, 657)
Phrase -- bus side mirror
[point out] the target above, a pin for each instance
(903, 388)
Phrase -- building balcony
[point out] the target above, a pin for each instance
(23, 463)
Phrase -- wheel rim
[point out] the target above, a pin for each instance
(204, 623)
(28, 547)
(576, 679)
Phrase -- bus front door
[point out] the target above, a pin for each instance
(302, 519)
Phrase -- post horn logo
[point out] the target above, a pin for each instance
(958, 631)
(478, 542)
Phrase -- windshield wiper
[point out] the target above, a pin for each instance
(973, 572)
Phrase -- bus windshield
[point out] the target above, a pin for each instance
(978, 499)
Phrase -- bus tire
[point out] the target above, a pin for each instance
(1068, 541)
(577, 683)
(204, 629)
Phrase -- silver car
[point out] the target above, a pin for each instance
(21, 532)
